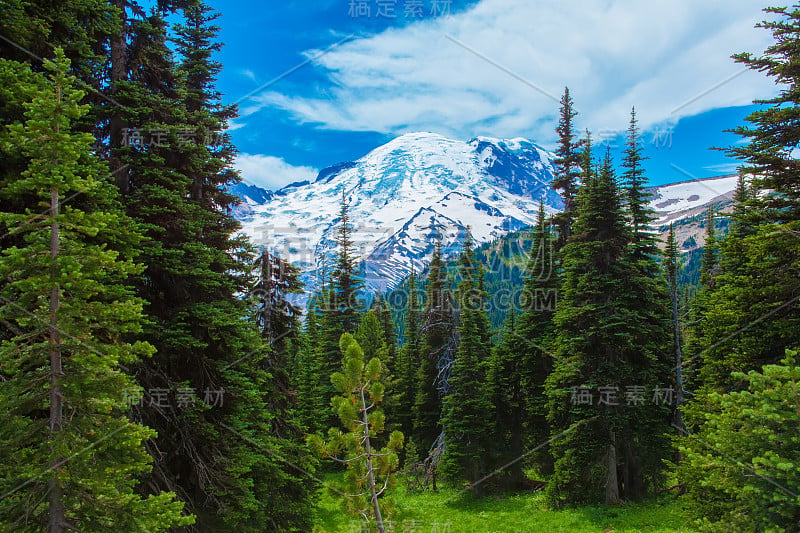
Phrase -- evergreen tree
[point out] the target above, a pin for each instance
(467, 408)
(599, 352)
(567, 167)
(671, 269)
(739, 467)
(642, 237)
(276, 316)
(521, 361)
(372, 339)
(750, 317)
(340, 311)
(384, 314)
(312, 402)
(212, 447)
(345, 281)
(409, 360)
(709, 264)
(65, 439)
(437, 343)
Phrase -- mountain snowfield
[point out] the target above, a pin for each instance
(402, 195)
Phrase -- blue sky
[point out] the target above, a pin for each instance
(324, 81)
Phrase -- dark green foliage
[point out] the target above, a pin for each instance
(467, 407)
(277, 317)
(313, 405)
(371, 337)
(223, 459)
(437, 335)
(345, 304)
(408, 361)
(567, 166)
(604, 452)
(521, 362)
(642, 239)
(749, 315)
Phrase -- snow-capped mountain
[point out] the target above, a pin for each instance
(405, 193)
(402, 195)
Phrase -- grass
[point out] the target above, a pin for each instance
(451, 511)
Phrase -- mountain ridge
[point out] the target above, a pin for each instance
(418, 186)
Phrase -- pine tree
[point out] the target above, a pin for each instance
(384, 313)
(467, 406)
(750, 316)
(436, 335)
(312, 402)
(757, 276)
(65, 300)
(599, 351)
(276, 316)
(739, 466)
(653, 359)
(369, 472)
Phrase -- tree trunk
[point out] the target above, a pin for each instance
(517, 474)
(370, 472)
(57, 518)
(612, 483)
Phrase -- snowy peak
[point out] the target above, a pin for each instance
(403, 195)
(420, 186)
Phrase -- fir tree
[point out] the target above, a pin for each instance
(277, 317)
(749, 317)
(566, 164)
(213, 450)
(738, 467)
(345, 281)
(467, 406)
(599, 350)
(65, 299)
(312, 403)
(671, 269)
(709, 264)
(637, 197)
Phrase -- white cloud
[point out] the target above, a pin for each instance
(663, 56)
(271, 172)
